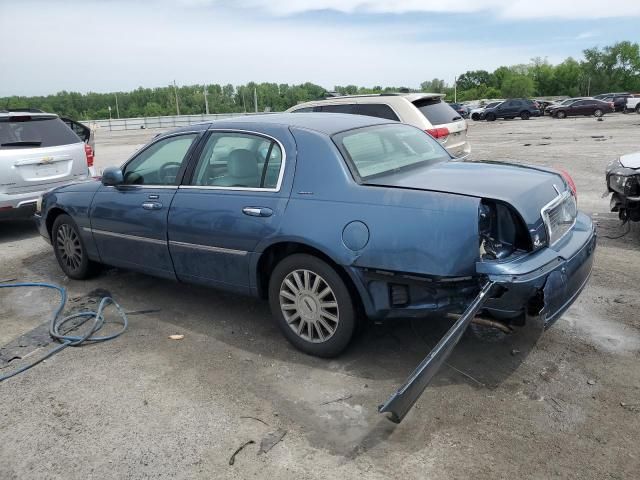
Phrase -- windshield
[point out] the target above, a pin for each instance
(384, 149)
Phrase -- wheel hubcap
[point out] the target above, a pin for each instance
(309, 306)
(69, 247)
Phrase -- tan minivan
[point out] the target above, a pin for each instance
(426, 111)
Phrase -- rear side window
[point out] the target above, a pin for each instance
(303, 109)
(30, 132)
(378, 110)
(342, 108)
(437, 111)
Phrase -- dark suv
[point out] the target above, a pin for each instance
(512, 108)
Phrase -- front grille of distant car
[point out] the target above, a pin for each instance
(559, 216)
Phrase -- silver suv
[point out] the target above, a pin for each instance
(426, 111)
(37, 152)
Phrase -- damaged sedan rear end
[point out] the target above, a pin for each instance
(332, 218)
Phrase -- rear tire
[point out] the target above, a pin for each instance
(598, 113)
(638, 108)
(312, 305)
(490, 117)
(475, 117)
(70, 249)
(525, 115)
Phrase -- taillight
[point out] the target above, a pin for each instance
(440, 132)
(569, 180)
(89, 153)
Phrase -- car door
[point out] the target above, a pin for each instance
(505, 109)
(233, 198)
(129, 221)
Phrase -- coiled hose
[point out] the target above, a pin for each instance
(56, 324)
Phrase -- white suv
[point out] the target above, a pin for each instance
(37, 152)
(426, 111)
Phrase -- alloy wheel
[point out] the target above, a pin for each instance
(69, 246)
(309, 306)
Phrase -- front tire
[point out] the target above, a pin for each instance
(70, 249)
(525, 115)
(490, 117)
(475, 117)
(312, 305)
(561, 114)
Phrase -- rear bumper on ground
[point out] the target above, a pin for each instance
(544, 283)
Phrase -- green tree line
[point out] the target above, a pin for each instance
(610, 69)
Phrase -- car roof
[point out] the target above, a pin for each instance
(327, 123)
(26, 113)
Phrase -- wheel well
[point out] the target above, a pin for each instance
(51, 217)
(276, 252)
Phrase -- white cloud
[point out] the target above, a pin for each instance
(103, 47)
(510, 9)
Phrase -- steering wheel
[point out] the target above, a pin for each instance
(166, 175)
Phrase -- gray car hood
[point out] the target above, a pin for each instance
(631, 160)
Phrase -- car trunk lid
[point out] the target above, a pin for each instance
(528, 189)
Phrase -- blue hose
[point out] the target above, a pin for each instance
(55, 324)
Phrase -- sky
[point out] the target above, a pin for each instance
(118, 45)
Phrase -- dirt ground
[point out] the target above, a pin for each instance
(563, 404)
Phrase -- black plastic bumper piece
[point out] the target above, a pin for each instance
(399, 404)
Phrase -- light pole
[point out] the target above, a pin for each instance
(455, 89)
(206, 102)
(175, 90)
(117, 109)
(109, 107)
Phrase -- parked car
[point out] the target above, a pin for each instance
(619, 101)
(426, 111)
(633, 103)
(565, 102)
(331, 218)
(587, 107)
(462, 110)
(37, 152)
(476, 113)
(605, 95)
(512, 108)
(623, 182)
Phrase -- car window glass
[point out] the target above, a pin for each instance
(342, 108)
(239, 160)
(388, 149)
(159, 164)
(303, 109)
(378, 110)
(437, 111)
(25, 131)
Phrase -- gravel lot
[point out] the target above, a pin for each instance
(562, 405)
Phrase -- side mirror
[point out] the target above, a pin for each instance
(112, 176)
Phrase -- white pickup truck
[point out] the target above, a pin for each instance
(633, 103)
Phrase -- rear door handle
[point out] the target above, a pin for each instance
(151, 205)
(257, 211)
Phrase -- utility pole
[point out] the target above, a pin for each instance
(206, 102)
(455, 89)
(117, 109)
(255, 99)
(589, 87)
(175, 90)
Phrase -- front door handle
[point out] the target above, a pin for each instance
(151, 205)
(257, 211)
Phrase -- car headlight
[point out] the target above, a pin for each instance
(626, 184)
(559, 216)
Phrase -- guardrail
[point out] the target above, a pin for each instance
(171, 121)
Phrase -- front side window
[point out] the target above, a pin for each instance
(388, 149)
(160, 163)
(239, 160)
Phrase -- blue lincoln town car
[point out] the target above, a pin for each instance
(333, 218)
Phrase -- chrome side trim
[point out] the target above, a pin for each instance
(154, 241)
(245, 189)
(207, 248)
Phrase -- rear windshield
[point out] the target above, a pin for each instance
(30, 132)
(381, 150)
(437, 111)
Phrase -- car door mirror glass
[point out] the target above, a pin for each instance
(112, 176)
